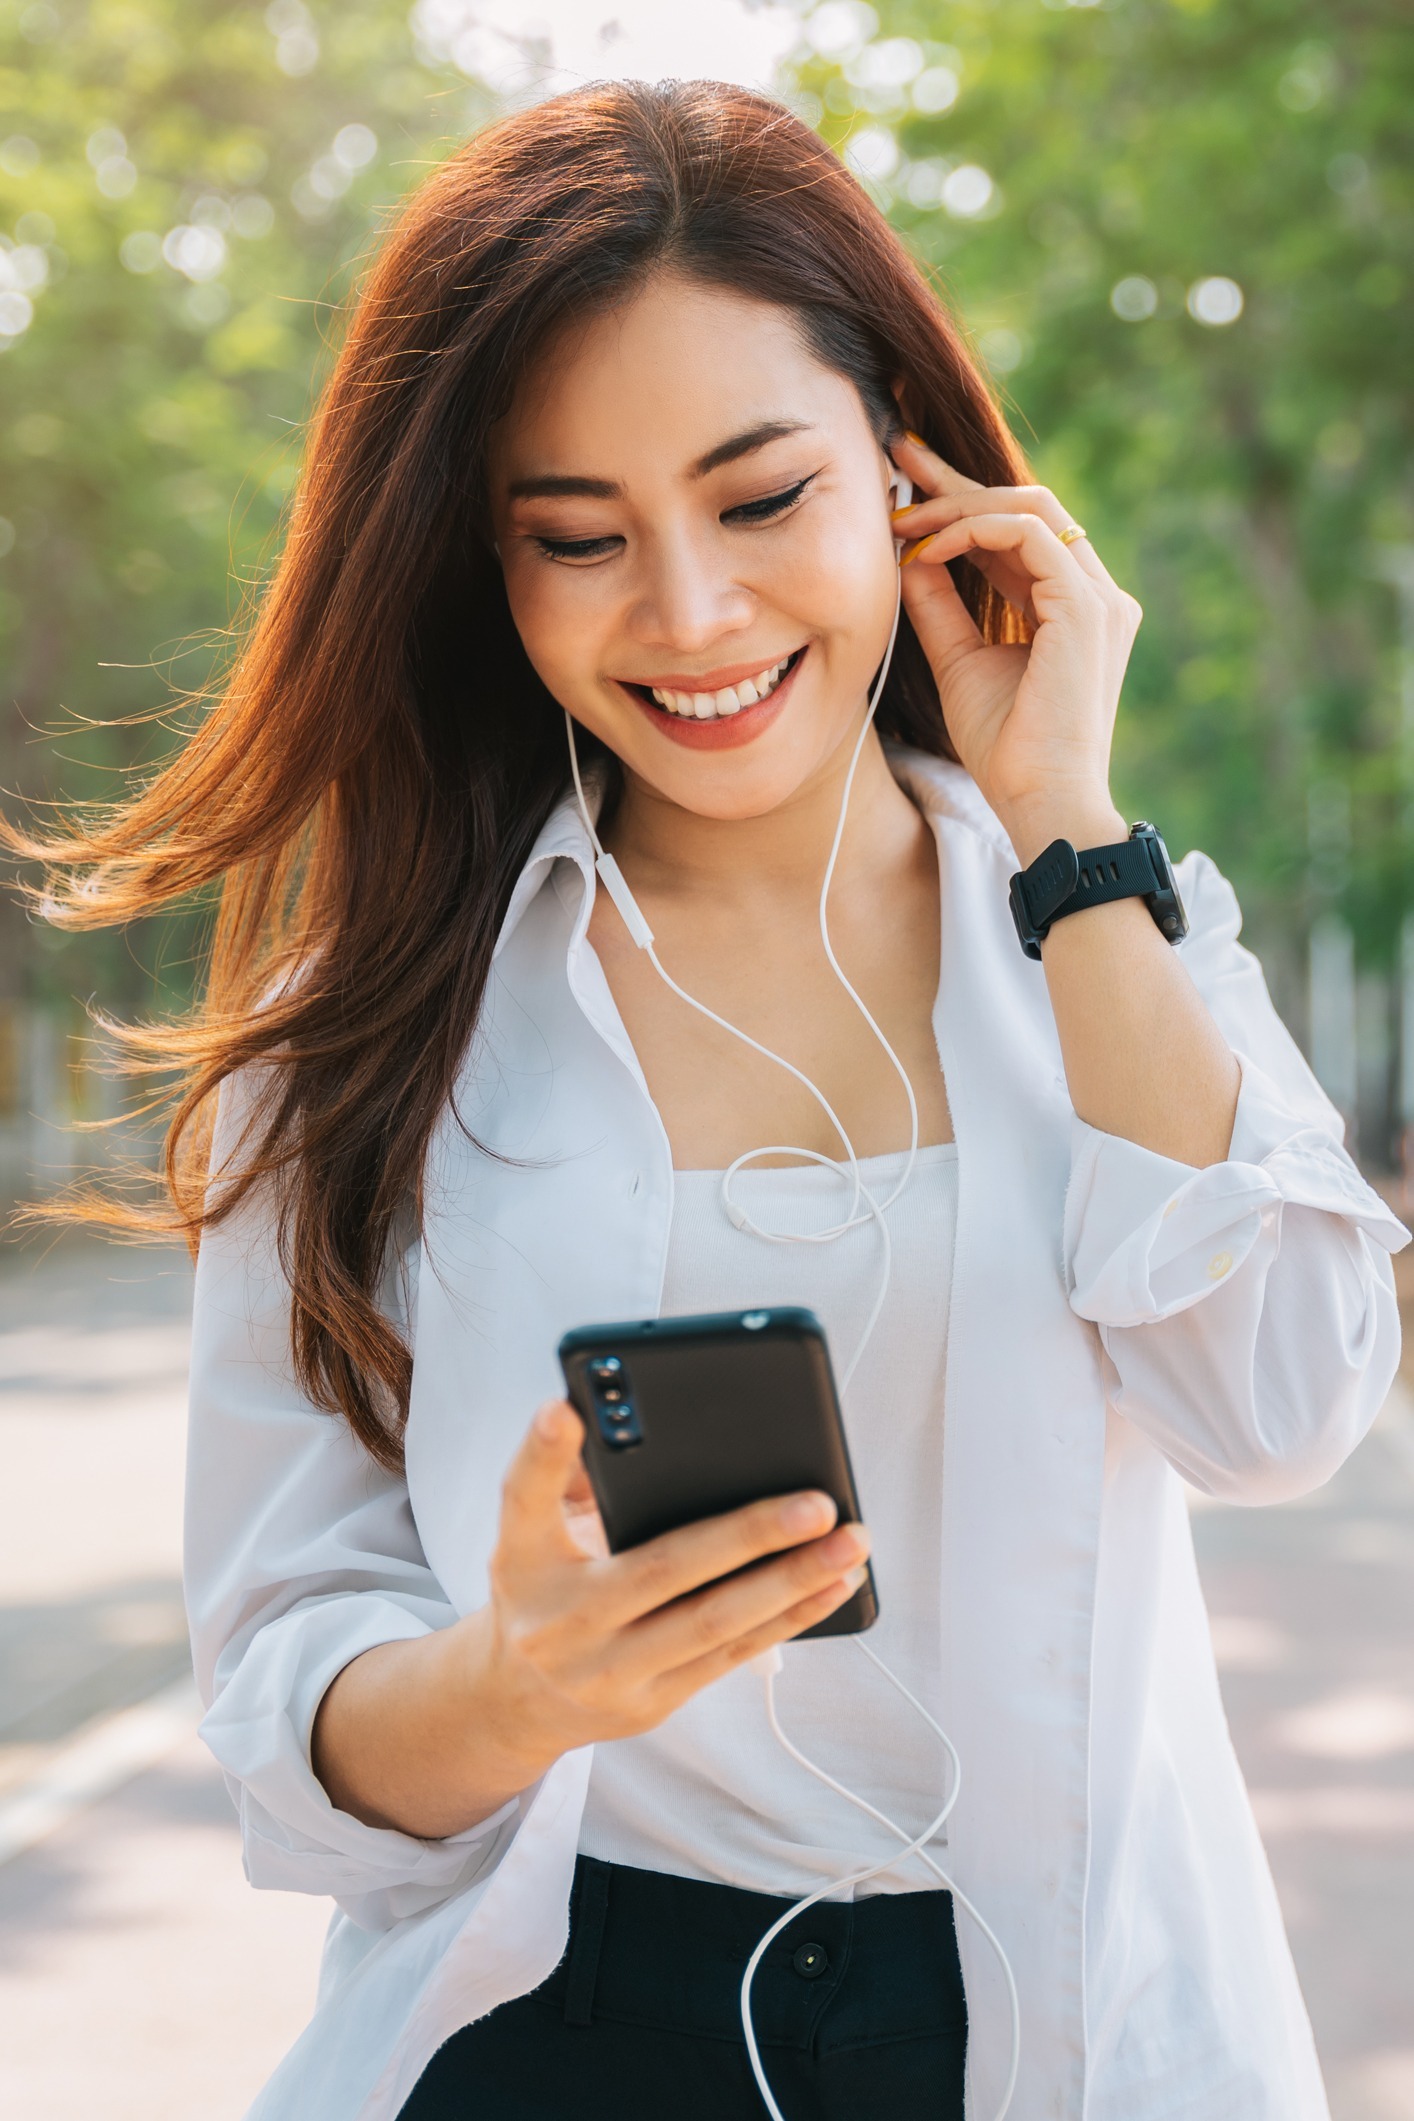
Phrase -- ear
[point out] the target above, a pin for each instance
(907, 412)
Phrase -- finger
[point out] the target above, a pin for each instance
(586, 1533)
(689, 1679)
(579, 1495)
(926, 468)
(1052, 568)
(920, 517)
(540, 1478)
(1004, 570)
(582, 1520)
(1004, 500)
(680, 1562)
(945, 627)
(693, 1627)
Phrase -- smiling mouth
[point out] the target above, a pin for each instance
(719, 706)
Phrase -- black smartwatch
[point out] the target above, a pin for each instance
(1062, 880)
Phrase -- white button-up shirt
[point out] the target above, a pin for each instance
(1118, 1324)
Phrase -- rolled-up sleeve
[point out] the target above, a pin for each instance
(1247, 1310)
(300, 1553)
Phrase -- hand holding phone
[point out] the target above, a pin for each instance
(687, 1418)
(577, 1642)
(580, 1647)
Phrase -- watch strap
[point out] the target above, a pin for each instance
(1064, 880)
(1109, 873)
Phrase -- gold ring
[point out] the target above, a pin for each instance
(1071, 532)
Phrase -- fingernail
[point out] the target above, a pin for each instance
(922, 542)
(895, 513)
(808, 1513)
(855, 1580)
(848, 1545)
(918, 439)
(547, 1424)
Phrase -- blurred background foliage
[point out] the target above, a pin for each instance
(1180, 232)
(1183, 234)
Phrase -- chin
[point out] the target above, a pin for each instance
(736, 786)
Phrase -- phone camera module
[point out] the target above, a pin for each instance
(614, 1411)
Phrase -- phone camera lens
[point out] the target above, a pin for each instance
(615, 1414)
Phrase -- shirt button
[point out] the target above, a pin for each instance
(1218, 1265)
(810, 1961)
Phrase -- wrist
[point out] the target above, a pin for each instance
(492, 1709)
(1087, 817)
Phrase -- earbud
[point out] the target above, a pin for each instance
(900, 494)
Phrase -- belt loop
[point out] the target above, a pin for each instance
(587, 1936)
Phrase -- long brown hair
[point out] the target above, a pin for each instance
(369, 784)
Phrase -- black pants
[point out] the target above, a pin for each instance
(858, 2009)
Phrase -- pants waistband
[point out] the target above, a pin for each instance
(650, 1949)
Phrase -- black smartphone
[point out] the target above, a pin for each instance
(685, 1418)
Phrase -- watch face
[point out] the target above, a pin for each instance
(1160, 856)
(1166, 905)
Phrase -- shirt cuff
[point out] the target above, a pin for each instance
(259, 1728)
(1146, 1237)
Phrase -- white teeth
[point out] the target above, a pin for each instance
(707, 706)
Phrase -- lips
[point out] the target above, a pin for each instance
(710, 720)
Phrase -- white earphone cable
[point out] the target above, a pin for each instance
(856, 1214)
(863, 1208)
(914, 1845)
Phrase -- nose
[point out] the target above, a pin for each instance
(686, 597)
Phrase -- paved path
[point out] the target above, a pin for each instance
(141, 1980)
(1313, 1621)
(140, 1977)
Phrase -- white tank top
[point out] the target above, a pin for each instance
(710, 1794)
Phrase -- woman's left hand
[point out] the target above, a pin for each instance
(1032, 724)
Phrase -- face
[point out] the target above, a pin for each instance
(693, 518)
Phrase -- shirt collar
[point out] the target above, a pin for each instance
(944, 791)
(563, 837)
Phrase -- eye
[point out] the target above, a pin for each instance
(770, 505)
(577, 548)
(587, 550)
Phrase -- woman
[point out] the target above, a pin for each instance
(613, 435)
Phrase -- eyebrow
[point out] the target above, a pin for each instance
(744, 444)
(560, 486)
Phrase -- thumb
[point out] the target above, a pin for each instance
(544, 1473)
(944, 625)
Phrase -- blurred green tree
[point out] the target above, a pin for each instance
(185, 193)
(1182, 232)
